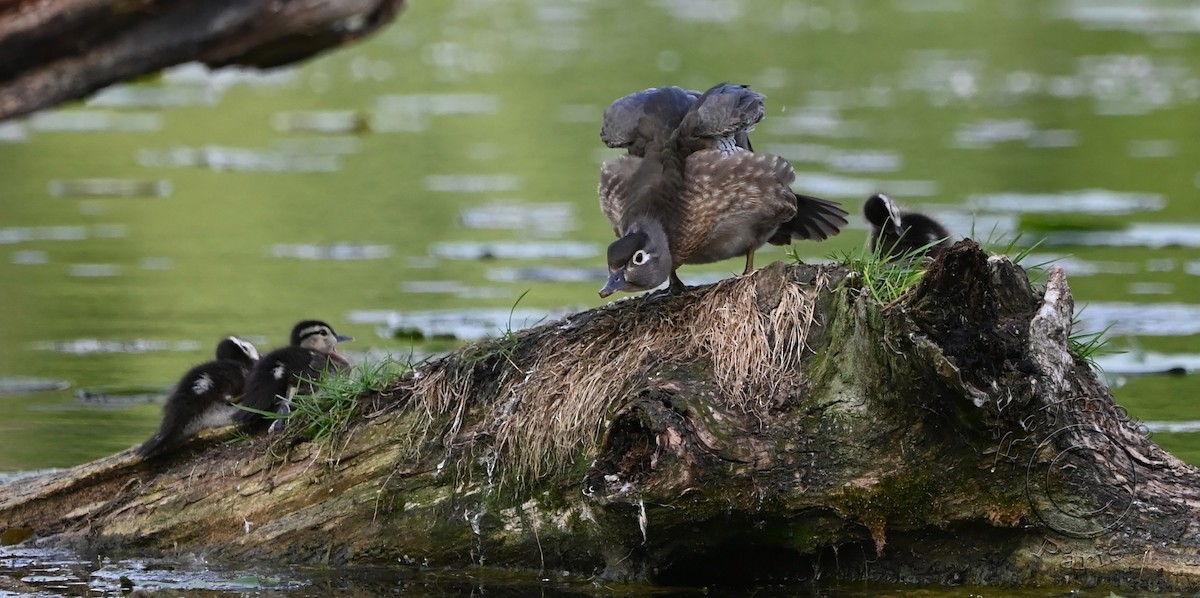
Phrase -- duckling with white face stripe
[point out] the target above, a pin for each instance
(897, 233)
(204, 396)
(283, 373)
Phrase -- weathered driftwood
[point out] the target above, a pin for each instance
(782, 425)
(52, 51)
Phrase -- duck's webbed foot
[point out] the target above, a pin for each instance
(676, 285)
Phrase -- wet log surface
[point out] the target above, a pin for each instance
(778, 426)
(52, 51)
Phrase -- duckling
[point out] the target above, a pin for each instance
(897, 233)
(284, 372)
(204, 396)
(698, 194)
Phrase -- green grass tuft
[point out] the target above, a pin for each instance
(330, 409)
(884, 277)
(1087, 346)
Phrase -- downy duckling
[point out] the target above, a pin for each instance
(897, 233)
(204, 397)
(285, 372)
(696, 194)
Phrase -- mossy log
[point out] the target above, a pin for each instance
(781, 425)
(52, 51)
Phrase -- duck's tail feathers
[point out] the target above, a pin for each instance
(816, 220)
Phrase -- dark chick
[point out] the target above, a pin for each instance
(285, 372)
(696, 194)
(897, 233)
(204, 397)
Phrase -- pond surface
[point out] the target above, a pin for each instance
(439, 182)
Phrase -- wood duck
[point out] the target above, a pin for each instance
(694, 192)
(285, 372)
(204, 397)
(897, 233)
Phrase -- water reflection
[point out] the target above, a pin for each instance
(110, 187)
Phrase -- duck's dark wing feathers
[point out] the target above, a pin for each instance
(724, 110)
(816, 220)
(633, 121)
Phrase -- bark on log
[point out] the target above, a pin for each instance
(53, 51)
(781, 425)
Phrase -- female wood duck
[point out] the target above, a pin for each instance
(898, 233)
(694, 192)
(283, 373)
(204, 397)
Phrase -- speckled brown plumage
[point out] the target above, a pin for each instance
(727, 206)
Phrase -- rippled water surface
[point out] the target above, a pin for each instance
(416, 186)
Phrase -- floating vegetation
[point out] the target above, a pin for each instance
(110, 188)
(472, 183)
(89, 346)
(24, 385)
(337, 251)
(83, 121)
(1087, 201)
(1140, 319)
(94, 270)
(218, 158)
(454, 324)
(544, 219)
(513, 250)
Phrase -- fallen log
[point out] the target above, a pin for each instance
(59, 50)
(784, 425)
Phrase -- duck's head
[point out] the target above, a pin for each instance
(639, 261)
(883, 214)
(317, 335)
(237, 349)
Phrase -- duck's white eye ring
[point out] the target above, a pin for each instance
(640, 257)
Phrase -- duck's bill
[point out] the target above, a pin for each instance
(616, 282)
(343, 338)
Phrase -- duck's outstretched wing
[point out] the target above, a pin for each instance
(615, 186)
(816, 219)
(633, 121)
(724, 112)
(730, 204)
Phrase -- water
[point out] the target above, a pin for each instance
(449, 165)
